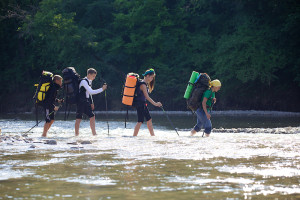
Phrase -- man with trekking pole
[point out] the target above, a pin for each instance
(49, 103)
(85, 103)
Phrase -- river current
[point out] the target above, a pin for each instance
(118, 166)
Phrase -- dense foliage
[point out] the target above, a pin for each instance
(251, 46)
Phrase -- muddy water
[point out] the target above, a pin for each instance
(118, 166)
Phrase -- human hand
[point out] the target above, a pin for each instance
(104, 87)
(208, 116)
(214, 100)
(92, 106)
(56, 108)
(158, 104)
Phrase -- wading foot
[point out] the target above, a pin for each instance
(193, 132)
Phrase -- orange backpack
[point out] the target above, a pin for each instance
(129, 88)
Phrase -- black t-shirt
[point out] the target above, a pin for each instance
(140, 97)
(50, 97)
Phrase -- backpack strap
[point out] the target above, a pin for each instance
(210, 107)
(85, 79)
(139, 83)
(142, 82)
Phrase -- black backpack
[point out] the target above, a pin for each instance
(200, 86)
(71, 87)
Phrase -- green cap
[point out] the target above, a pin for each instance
(149, 71)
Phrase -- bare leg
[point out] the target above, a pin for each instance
(150, 127)
(51, 122)
(193, 132)
(77, 124)
(93, 125)
(207, 135)
(46, 128)
(137, 128)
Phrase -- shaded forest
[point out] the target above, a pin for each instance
(251, 46)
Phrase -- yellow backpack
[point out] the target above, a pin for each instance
(42, 87)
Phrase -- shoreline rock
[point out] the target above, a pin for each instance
(284, 130)
(51, 142)
(12, 139)
(214, 112)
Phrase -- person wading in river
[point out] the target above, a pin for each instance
(85, 103)
(49, 103)
(143, 89)
(203, 117)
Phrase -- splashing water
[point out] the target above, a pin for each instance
(119, 166)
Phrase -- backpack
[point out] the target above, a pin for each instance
(129, 91)
(46, 79)
(201, 84)
(70, 87)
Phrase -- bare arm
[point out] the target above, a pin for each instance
(144, 89)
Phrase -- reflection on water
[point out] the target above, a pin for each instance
(118, 166)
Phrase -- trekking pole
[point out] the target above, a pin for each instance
(126, 116)
(169, 120)
(104, 83)
(36, 124)
(106, 113)
(39, 122)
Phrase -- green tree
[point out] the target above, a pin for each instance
(251, 46)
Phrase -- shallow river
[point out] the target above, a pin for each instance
(118, 166)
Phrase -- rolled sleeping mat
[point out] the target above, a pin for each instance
(190, 86)
(129, 90)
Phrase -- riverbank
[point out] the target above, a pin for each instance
(217, 113)
(181, 120)
(284, 130)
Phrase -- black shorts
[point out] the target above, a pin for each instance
(48, 111)
(142, 112)
(84, 108)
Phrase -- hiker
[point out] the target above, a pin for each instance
(49, 102)
(85, 104)
(203, 116)
(143, 89)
